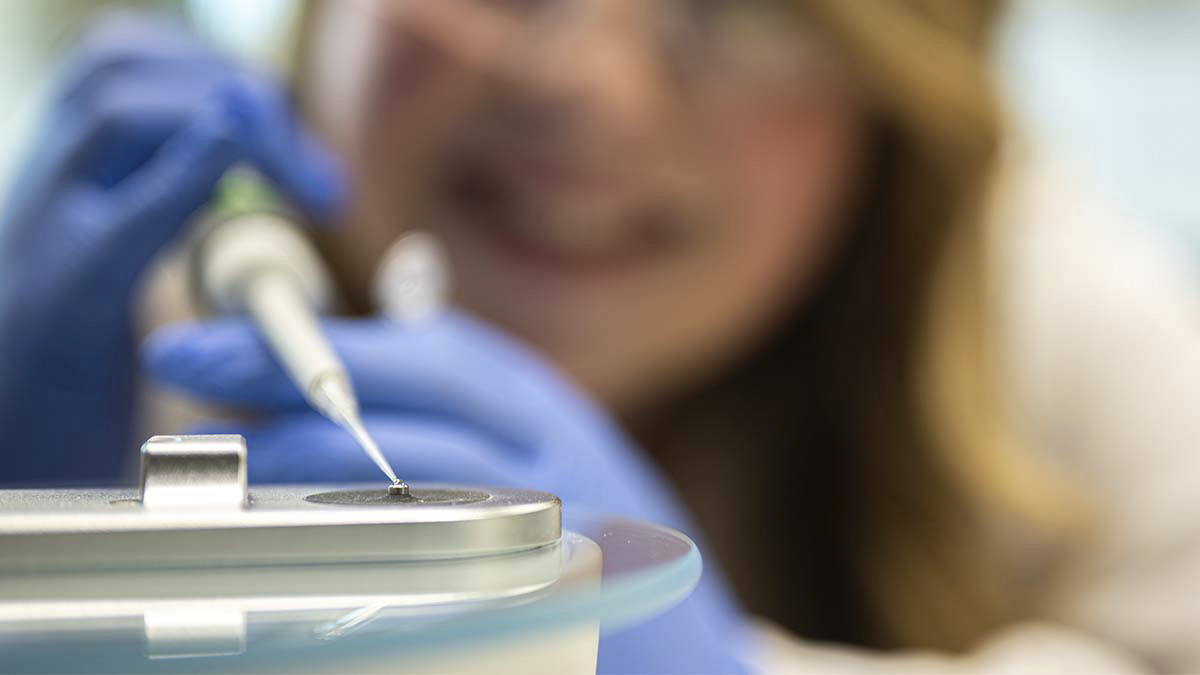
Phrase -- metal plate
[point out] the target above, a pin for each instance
(377, 497)
(88, 529)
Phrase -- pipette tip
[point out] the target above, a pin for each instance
(331, 394)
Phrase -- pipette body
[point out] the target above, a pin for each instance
(256, 261)
(290, 326)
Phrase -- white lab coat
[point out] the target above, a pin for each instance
(1101, 338)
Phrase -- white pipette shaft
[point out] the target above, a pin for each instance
(287, 320)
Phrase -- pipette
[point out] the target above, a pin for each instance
(255, 260)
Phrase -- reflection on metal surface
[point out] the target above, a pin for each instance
(187, 631)
(109, 595)
(346, 624)
(104, 529)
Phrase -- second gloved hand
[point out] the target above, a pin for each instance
(449, 399)
(452, 400)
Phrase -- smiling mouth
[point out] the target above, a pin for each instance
(512, 214)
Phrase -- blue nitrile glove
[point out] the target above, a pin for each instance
(144, 123)
(452, 400)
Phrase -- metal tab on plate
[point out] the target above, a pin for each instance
(186, 472)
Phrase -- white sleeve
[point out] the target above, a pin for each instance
(1103, 330)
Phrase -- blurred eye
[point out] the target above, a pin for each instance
(715, 12)
(519, 7)
(760, 36)
(730, 21)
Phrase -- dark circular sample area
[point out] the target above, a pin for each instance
(380, 497)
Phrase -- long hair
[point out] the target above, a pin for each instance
(875, 416)
(942, 447)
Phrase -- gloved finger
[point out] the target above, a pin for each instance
(450, 370)
(245, 123)
(121, 125)
(119, 43)
(280, 145)
(124, 37)
(450, 366)
(128, 114)
(148, 208)
(178, 129)
(305, 447)
(207, 358)
(149, 56)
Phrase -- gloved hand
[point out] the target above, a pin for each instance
(143, 124)
(452, 400)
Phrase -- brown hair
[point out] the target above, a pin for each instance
(874, 416)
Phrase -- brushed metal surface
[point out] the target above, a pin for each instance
(95, 528)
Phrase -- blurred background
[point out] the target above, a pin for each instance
(1102, 94)
(1106, 88)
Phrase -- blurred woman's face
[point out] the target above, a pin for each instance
(640, 189)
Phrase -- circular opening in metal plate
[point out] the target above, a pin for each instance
(380, 497)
